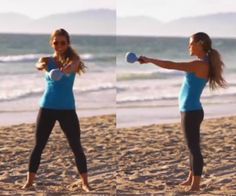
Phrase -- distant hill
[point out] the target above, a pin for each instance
(217, 25)
(93, 22)
(13, 22)
(105, 22)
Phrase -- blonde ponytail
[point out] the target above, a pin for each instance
(216, 70)
(216, 65)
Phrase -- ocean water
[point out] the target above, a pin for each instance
(22, 85)
(110, 84)
(146, 83)
(149, 94)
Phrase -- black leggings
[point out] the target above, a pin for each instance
(69, 123)
(190, 122)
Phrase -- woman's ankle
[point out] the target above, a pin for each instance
(84, 179)
(195, 185)
(188, 181)
(30, 178)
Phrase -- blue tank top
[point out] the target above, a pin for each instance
(58, 94)
(190, 93)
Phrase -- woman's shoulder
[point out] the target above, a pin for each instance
(200, 65)
(202, 68)
(42, 63)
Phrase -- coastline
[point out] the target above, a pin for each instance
(142, 116)
(125, 116)
(29, 117)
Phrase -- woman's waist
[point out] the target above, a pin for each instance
(58, 90)
(55, 101)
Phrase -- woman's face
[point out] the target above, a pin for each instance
(59, 44)
(195, 48)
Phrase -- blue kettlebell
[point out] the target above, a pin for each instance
(131, 57)
(55, 74)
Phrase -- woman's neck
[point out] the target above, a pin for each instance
(58, 59)
(201, 55)
(57, 55)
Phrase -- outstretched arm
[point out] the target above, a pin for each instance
(191, 66)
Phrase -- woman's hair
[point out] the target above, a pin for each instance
(70, 54)
(216, 64)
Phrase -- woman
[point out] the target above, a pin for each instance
(57, 104)
(208, 67)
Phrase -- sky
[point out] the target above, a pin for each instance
(163, 10)
(40, 8)
(167, 10)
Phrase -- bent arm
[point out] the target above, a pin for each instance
(42, 63)
(72, 66)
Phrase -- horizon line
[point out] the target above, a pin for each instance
(112, 35)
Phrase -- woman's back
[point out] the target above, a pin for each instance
(190, 93)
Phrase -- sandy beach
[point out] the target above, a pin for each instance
(154, 160)
(143, 160)
(57, 174)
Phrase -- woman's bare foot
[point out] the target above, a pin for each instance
(195, 186)
(29, 181)
(86, 188)
(27, 185)
(192, 188)
(187, 182)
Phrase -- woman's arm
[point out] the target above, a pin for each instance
(42, 63)
(192, 66)
(71, 66)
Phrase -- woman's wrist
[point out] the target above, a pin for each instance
(151, 60)
(40, 66)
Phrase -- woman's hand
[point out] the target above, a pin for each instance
(67, 68)
(143, 60)
(42, 63)
(70, 67)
